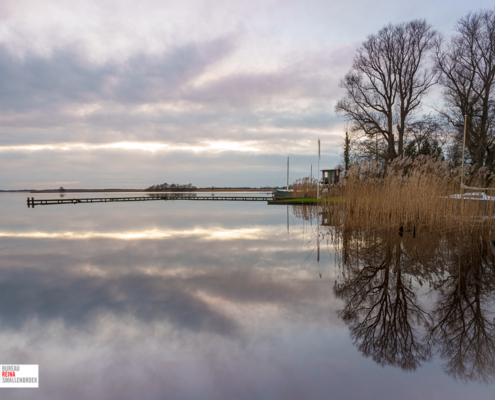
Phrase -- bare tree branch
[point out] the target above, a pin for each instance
(388, 81)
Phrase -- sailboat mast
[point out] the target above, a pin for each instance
(287, 173)
(318, 179)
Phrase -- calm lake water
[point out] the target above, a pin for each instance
(222, 300)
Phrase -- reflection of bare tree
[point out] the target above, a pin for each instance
(402, 298)
(463, 329)
(381, 304)
(382, 278)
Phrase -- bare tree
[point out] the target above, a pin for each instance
(467, 66)
(367, 148)
(388, 81)
(424, 136)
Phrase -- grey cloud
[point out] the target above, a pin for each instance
(35, 82)
(187, 125)
(41, 96)
(38, 82)
(243, 89)
(303, 75)
(145, 78)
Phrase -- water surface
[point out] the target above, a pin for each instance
(226, 300)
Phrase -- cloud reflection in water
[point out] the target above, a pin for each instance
(184, 316)
(214, 233)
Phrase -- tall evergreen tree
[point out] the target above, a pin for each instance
(347, 151)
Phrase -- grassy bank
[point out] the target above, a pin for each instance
(314, 200)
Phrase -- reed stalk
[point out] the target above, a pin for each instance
(411, 194)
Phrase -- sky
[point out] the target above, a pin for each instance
(126, 94)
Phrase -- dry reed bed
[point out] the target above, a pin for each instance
(305, 187)
(412, 194)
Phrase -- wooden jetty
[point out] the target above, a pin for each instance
(31, 202)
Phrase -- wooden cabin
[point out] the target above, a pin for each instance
(330, 176)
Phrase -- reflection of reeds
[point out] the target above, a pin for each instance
(411, 193)
(307, 213)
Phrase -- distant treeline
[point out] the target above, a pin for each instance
(62, 190)
(165, 187)
(175, 187)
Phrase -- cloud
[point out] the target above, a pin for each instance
(263, 76)
(39, 82)
(148, 78)
(63, 99)
(160, 83)
(244, 89)
(139, 169)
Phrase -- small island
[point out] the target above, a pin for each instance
(174, 187)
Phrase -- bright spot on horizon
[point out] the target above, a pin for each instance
(207, 146)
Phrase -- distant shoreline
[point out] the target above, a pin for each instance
(87, 191)
(233, 190)
(145, 191)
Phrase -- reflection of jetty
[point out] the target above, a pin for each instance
(292, 201)
(31, 202)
